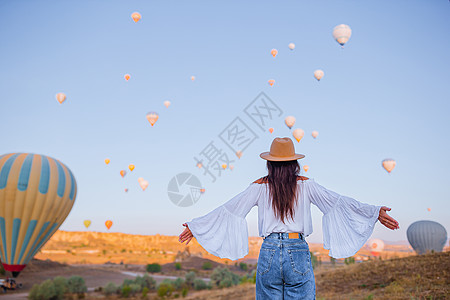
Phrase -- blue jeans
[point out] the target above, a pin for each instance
(284, 269)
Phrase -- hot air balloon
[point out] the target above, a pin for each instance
(271, 130)
(107, 161)
(152, 117)
(126, 190)
(61, 97)
(271, 82)
(298, 134)
(290, 121)
(318, 74)
(143, 183)
(87, 223)
(376, 246)
(136, 16)
(388, 164)
(192, 78)
(306, 168)
(342, 34)
(127, 77)
(108, 224)
(292, 46)
(239, 153)
(202, 191)
(231, 167)
(199, 165)
(123, 173)
(429, 209)
(315, 134)
(426, 236)
(36, 195)
(167, 103)
(224, 166)
(131, 167)
(274, 52)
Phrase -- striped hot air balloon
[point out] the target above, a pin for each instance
(36, 195)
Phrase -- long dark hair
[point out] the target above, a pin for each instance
(282, 182)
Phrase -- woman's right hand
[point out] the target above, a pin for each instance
(387, 220)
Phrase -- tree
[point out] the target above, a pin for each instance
(61, 286)
(153, 268)
(77, 285)
(177, 266)
(207, 265)
(222, 277)
(190, 277)
(243, 266)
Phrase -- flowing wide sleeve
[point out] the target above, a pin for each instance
(347, 223)
(223, 232)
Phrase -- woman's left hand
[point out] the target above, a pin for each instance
(186, 235)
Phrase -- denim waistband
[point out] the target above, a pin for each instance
(282, 235)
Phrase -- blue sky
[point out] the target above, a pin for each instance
(384, 96)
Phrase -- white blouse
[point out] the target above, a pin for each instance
(346, 223)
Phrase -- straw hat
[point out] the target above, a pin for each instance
(282, 149)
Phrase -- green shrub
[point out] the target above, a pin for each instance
(243, 266)
(244, 279)
(184, 292)
(44, 291)
(165, 289)
(178, 283)
(313, 260)
(145, 291)
(76, 285)
(126, 290)
(207, 265)
(199, 284)
(222, 277)
(146, 282)
(177, 266)
(61, 286)
(153, 268)
(110, 289)
(190, 277)
(349, 260)
(135, 288)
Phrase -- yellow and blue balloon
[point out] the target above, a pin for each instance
(36, 195)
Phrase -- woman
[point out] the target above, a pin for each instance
(284, 269)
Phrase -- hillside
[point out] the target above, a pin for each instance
(99, 248)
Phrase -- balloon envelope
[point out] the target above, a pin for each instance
(315, 134)
(152, 117)
(36, 195)
(136, 16)
(318, 74)
(127, 77)
(388, 164)
(166, 103)
(123, 173)
(131, 167)
(271, 82)
(342, 34)
(298, 134)
(61, 97)
(274, 52)
(290, 121)
(143, 183)
(306, 168)
(239, 153)
(426, 236)
(108, 224)
(87, 223)
(292, 46)
(107, 161)
(376, 246)
(192, 78)
(271, 130)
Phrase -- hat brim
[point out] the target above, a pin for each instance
(267, 156)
